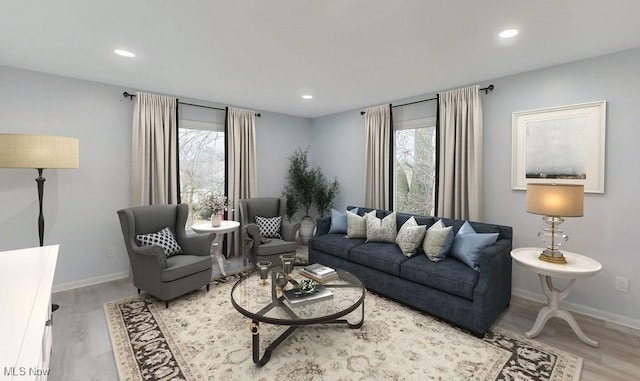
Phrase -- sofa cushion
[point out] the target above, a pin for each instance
(276, 246)
(164, 238)
(410, 236)
(179, 266)
(437, 241)
(380, 256)
(468, 244)
(381, 229)
(337, 245)
(451, 276)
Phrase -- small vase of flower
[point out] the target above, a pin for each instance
(216, 205)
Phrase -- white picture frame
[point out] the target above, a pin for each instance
(562, 145)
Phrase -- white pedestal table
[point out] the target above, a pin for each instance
(224, 228)
(577, 267)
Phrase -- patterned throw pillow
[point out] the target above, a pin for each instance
(381, 230)
(410, 236)
(356, 225)
(269, 226)
(438, 241)
(164, 238)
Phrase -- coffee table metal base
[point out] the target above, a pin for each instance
(254, 327)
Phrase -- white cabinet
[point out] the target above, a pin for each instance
(25, 320)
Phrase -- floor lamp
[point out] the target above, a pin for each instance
(38, 152)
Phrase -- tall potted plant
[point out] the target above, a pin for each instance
(325, 193)
(301, 182)
(306, 187)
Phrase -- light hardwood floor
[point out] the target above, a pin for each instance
(82, 348)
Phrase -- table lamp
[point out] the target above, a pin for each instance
(38, 152)
(554, 201)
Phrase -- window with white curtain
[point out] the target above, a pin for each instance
(202, 153)
(415, 166)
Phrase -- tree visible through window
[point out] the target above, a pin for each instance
(202, 155)
(415, 170)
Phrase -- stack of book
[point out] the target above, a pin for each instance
(319, 273)
(296, 298)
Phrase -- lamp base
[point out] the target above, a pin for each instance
(553, 256)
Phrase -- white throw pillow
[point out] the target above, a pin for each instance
(356, 225)
(438, 241)
(381, 230)
(410, 236)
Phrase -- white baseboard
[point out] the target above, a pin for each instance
(89, 281)
(579, 308)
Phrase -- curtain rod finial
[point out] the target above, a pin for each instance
(488, 88)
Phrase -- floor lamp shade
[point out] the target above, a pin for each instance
(38, 151)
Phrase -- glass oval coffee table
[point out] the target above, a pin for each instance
(265, 303)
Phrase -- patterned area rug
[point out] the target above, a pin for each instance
(202, 337)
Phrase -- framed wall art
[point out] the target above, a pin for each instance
(563, 145)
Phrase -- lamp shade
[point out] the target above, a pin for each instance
(556, 200)
(38, 151)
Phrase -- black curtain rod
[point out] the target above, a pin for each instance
(127, 95)
(485, 89)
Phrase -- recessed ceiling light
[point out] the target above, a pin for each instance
(508, 33)
(306, 96)
(124, 53)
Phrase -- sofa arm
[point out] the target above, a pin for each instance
(197, 244)
(289, 230)
(495, 267)
(493, 291)
(323, 224)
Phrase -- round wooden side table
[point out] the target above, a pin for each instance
(577, 267)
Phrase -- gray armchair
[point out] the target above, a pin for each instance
(162, 277)
(263, 248)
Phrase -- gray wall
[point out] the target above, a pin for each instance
(605, 231)
(80, 204)
(278, 136)
(338, 148)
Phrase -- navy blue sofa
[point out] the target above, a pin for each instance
(449, 289)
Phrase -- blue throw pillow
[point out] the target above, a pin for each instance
(339, 221)
(468, 244)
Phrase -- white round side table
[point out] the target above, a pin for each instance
(224, 228)
(577, 267)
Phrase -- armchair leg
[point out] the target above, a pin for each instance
(208, 288)
(138, 291)
(166, 304)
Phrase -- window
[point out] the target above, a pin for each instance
(202, 154)
(415, 166)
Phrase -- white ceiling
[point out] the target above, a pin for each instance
(264, 54)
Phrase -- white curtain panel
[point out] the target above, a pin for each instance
(377, 124)
(154, 165)
(460, 166)
(241, 157)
